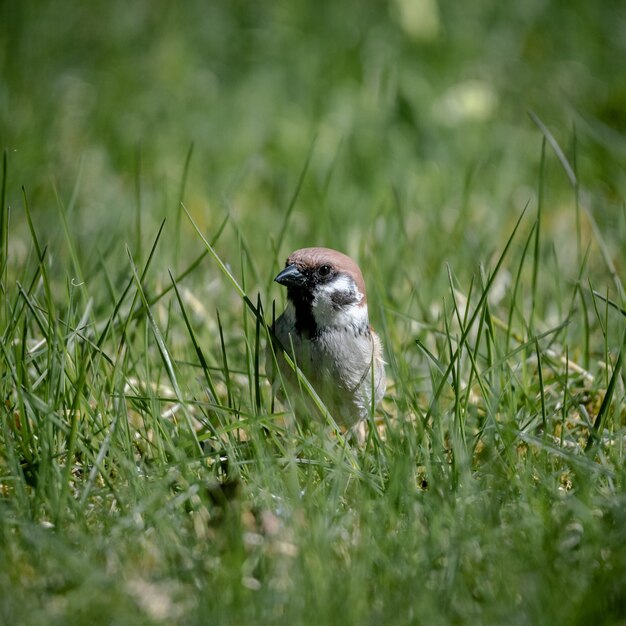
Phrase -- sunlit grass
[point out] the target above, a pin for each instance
(143, 451)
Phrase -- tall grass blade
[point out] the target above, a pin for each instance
(226, 369)
(165, 355)
(138, 174)
(474, 315)
(600, 422)
(294, 198)
(542, 397)
(604, 249)
(610, 302)
(196, 346)
(516, 284)
(181, 195)
(4, 219)
(536, 251)
(257, 352)
(555, 146)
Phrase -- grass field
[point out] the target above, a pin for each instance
(161, 160)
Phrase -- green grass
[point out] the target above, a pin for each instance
(159, 164)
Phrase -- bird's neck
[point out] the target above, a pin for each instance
(312, 319)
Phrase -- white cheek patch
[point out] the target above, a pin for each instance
(339, 303)
(341, 289)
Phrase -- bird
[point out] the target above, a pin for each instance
(326, 332)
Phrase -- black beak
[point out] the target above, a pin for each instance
(291, 276)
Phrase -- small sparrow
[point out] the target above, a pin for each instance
(325, 330)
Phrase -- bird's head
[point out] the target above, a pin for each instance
(326, 289)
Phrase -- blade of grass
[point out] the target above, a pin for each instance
(536, 259)
(138, 202)
(40, 256)
(604, 249)
(257, 350)
(565, 397)
(121, 299)
(610, 302)
(437, 363)
(579, 240)
(476, 312)
(292, 202)
(555, 146)
(227, 273)
(541, 386)
(196, 346)
(97, 467)
(225, 367)
(4, 219)
(516, 284)
(181, 194)
(165, 356)
(69, 240)
(600, 421)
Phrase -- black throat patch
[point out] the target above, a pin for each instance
(302, 301)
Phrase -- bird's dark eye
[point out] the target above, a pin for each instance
(324, 271)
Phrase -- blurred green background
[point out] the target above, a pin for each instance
(416, 106)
